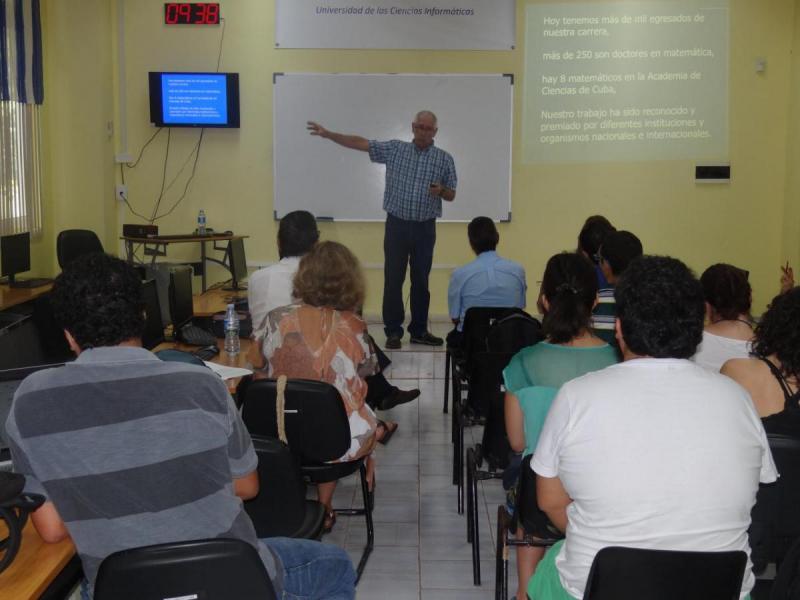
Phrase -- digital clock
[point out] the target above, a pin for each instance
(191, 13)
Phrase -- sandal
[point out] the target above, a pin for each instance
(388, 432)
(329, 522)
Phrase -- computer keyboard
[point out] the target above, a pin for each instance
(206, 353)
(196, 336)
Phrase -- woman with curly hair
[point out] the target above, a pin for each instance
(534, 376)
(729, 327)
(321, 337)
(772, 376)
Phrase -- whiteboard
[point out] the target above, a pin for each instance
(315, 174)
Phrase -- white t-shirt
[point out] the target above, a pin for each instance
(714, 350)
(655, 453)
(270, 288)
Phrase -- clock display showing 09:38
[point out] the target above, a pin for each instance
(191, 13)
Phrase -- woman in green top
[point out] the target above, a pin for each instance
(534, 375)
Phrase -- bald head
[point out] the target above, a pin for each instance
(426, 115)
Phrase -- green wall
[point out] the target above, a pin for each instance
(753, 222)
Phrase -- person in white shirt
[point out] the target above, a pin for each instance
(655, 452)
(729, 331)
(271, 287)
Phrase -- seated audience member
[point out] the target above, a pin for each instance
(772, 377)
(729, 328)
(489, 280)
(591, 237)
(271, 287)
(655, 452)
(321, 337)
(618, 250)
(533, 376)
(132, 451)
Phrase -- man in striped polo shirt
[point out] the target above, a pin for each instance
(615, 254)
(131, 451)
(418, 177)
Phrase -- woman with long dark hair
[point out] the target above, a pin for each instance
(534, 375)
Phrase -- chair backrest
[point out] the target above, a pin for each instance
(214, 569)
(72, 243)
(786, 585)
(634, 573)
(279, 508)
(512, 332)
(477, 322)
(775, 516)
(316, 422)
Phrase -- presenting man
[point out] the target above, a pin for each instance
(418, 177)
(131, 451)
(655, 452)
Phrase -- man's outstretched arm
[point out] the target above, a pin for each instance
(354, 142)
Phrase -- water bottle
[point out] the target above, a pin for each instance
(232, 344)
(201, 222)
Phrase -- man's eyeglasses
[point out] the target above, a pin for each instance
(423, 127)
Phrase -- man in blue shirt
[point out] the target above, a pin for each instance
(489, 280)
(418, 177)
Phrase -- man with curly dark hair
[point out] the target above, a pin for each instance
(131, 451)
(655, 452)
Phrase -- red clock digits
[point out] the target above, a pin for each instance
(172, 14)
(212, 14)
(185, 12)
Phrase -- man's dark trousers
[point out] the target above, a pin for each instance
(404, 243)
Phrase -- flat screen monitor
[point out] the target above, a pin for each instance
(181, 306)
(237, 264)
(153, 333)
(15, 255)
(194, 99)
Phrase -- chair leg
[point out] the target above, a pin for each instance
(476, 541)
(501, 556)
(458, 452)
(470, 497)
(446, 378)
(370, 528)
(367, 512)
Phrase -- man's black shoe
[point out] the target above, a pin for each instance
(393, 342)
(427, 338)
(397, 398)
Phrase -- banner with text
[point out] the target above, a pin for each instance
(401, 24)
(626, 81)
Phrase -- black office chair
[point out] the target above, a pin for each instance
(281, 509)
(506, 537)
(72, 243)
(634, 573)
(317, 431)
(505, 336)
(775, 516)
(477, 321)
(214, 569)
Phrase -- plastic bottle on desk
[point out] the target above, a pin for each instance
(201, 222)
(232, 344)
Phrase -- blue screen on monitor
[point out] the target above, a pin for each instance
(194, 98)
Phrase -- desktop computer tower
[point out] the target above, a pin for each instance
(160, 272)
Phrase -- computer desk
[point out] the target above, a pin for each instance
(35, 567)
(156, 246)
(215, 301)
(11, 296)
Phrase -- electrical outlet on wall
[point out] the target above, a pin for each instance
(121, 193)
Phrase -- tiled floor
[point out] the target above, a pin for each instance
(421, 552)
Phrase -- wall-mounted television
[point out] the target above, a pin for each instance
(194, 99)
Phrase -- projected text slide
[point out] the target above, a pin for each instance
(626, 81)
(192, 98)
